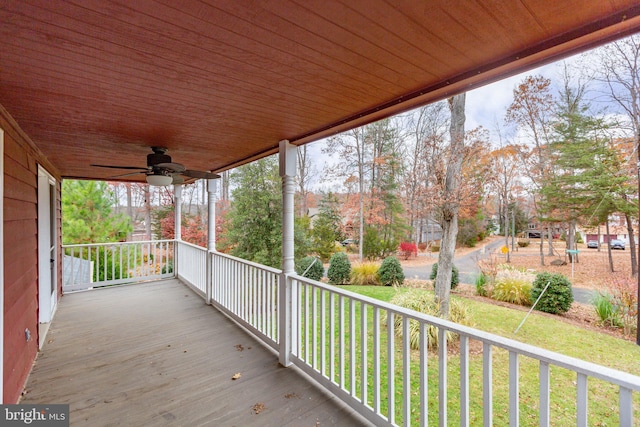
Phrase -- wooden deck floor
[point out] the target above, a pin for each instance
(155, 354)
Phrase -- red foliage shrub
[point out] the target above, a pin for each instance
(407, 249)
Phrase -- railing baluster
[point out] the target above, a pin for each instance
(544, 394)
(391, 376)
(376, 359)
(464, 381)
(306, 323)
(487, 387)
(341, 321)
(406, 371)
(323, 332)
(424, 375)
(332, 336)
(582, 391)
(352, 346)
(364, 369)
(626, 407)
(442, 375)
(314, 332)
(514, 390)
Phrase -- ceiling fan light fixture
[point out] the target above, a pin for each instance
(159, 180)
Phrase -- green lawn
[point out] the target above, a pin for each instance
(540, 331)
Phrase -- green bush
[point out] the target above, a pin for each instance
(524, 243)
(454, 274)
(424, 302)
(365, 274)
(390, 272)
(312, 266)
(339, 270)
(513, 286)
(558, 297)
(606, 310)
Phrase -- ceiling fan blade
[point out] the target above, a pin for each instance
(200, 174)
(173, 167)
(128, 174)
(177, 179)
(121, 167)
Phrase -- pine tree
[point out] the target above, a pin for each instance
(87, 215)
(327, 227)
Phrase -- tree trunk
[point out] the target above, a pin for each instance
(450, 205)
(632, 245)
(541, 245)
(550, 237)
(609, 247)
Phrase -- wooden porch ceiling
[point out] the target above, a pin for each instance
(220, 82)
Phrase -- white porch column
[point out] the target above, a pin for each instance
(288, 157)
(177, 200)
(212, 187)
(177, 225)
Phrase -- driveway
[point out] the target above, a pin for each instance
(468, 267)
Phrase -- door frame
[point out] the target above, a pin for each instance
(47, 248)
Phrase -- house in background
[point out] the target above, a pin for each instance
(221, 85)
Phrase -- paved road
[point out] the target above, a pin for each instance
(468, 267)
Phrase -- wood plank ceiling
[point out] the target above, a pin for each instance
(220, 82)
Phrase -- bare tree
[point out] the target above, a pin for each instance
(532, 112)
(450, 203)
(306, 171)
(426, 133)
(355, 158)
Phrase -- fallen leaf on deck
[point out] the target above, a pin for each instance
(236, 376)
(258, 407)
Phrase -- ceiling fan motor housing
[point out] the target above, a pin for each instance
(157, 158)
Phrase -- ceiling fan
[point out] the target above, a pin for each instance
(161, 170)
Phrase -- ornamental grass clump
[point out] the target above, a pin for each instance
(390, 272)
(365, 274)
(339, 270)
(425, 302)
(513, 285)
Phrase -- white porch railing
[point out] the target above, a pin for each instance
(192, 266)
(248, 293)
(358, 348)
(103, 264)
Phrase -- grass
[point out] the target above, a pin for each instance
(539, 330)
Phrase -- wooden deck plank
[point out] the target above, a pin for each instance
(155, 354)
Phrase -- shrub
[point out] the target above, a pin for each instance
(390, 272)
(454, 274)
(524, 243)
(425, 302)
(481, 282)
(339, 270)
(606, 310)
(365, 274)
(435, 247)
(310, 267)
(624, 293)
(558, 297)
(513, 286)
(407, 249)
(422, 246)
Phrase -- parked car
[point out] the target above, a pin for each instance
(616, 244)
(593, 244)
(347, 242)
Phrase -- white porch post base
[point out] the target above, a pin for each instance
(177, 224)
